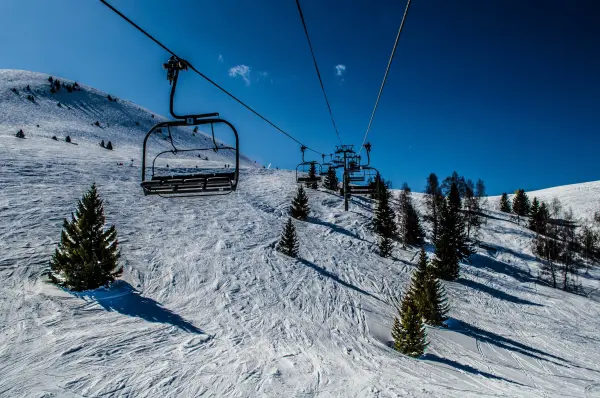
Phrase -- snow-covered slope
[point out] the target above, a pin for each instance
(583, 198)
(207, 307)
(123, 123)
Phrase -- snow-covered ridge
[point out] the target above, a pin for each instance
(122, 122)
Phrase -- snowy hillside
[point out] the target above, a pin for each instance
(583, 198)
(207, 307)
(121, 122)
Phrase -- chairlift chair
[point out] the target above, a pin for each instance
(182, 182)
(325, 166)
(302, 171)
(363, 173)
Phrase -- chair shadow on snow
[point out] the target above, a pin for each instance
(495, 292)
(464, 368)
(123, 298)
(336, 278)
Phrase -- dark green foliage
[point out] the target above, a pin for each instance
(385, 246)
(54, 138)
(409, 224)
(20, 134)
(520, 205)
(195, 129)
(59, 105)
(472, 211)
(102, 144)
(312, 175)
(50, 79)
(87, 255)
(67, 139)
(428, 293)
(408, 331)
(538, 216)
(288, 244)
(331, 181)
(505, 203)
(457, 180)
(451, 247)
(454, 201)
(97, 124)
(589, 240)
(384, 222)
(14, 90)
(109, 146)
(300, 209)
(31, 98)
(109, 97)
(432, 201)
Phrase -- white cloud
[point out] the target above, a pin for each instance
(340, 69)
(263, 74)
(220, 58)
(241, 70)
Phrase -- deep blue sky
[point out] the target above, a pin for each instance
(503, 90)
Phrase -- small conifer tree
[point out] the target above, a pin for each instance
(54, 138)
(408, 332)
(409, 224)
(87, 255)
(429, 293)
(67, 139)
(505, 203)
(331, 180)
(288, 244)
(20, 134)
(384, 222)
(521, 204)
(102, 144)
(109, 146)
(451, 247)
(312, 176)
(534, 214)
(300, 209)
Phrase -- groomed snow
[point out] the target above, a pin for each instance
(207, 307)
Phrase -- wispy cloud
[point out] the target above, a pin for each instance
(241, 70)
(340, 69)
(220, 58)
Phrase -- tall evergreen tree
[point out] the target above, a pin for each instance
(505, 203)
(408, 331)
(534, 215)
(457, 180)
(384, 223)
(428, 293)
(312, 175)
(433, 200)
(454, 201)
(409, 225)
(331, 180)
(288, 244)
(109, 146)
(300, 209)
(87, 255)
(451, 247)
(521, 204)
(472, 212)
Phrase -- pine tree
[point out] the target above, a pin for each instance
(521, 204)
(432, 200)
(451, 247)
(20, 134)
(102, 144)
(300, 209)
(408, 332)
(534, 215)
(409, 225)
(384, 223)
(312, 175)
(67, 139)
(87, 255)
(288, 244)
(505, 203)
(331, 180)
(428, 293)
(454, 201)
(109, 146)
(472, 211)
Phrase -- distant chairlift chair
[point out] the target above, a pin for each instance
(202, 182)
(302, 171)
(363, 173)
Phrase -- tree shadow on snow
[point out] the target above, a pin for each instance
(333, 276)
(464, 368)
(121, 297)
(485, 262)
(335, 228)
(495, 292)
(506, 343)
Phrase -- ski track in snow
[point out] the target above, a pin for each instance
(207, 307)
